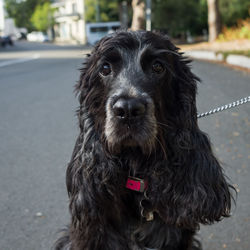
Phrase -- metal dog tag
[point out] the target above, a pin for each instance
(149, 216)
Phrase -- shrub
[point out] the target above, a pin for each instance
(240, 31)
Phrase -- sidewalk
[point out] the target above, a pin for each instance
(226, 52)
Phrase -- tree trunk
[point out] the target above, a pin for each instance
(138, 22)
(214, 24)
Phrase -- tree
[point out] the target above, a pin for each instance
(233, 10)
(171, 16)
(21, 11)
(138, 21)
(214, 23)
(108, 10)
(42, 18)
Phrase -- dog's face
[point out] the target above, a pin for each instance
(135, 72)
(132, 75)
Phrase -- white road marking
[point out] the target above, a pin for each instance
(19, 60)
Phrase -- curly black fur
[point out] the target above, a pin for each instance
(186, 182)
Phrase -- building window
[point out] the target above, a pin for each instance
(99, 29)
(74, 8)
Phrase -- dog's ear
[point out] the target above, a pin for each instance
(89, 70)
(195, 189)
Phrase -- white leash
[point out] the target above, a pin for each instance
(225, 107)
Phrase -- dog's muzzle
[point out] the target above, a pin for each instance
(130, 121)
(129, 108)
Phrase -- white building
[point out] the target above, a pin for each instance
(1, 17)
(70, 21)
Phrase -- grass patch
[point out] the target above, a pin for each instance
(235, 52)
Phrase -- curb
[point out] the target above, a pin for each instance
(236, 60)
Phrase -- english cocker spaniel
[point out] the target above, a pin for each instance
(142, 174)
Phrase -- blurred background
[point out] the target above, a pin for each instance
(42, 47)
(84, 21)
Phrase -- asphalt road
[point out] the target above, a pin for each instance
(38, 129)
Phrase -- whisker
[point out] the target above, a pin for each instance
(168, 51)
(170, 70)
(164, 151)
(163, 124)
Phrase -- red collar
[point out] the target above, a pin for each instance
(136, 184)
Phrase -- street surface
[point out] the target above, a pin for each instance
(38, 128)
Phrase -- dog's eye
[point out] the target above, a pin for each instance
(158, 67)
(105, 69)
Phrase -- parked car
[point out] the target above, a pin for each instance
(6, 40)
(95, 31)
(37, 36)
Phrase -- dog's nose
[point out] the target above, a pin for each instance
(129, 108)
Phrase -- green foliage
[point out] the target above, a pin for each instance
(175, 16)
(234, 52)
(239, 31)
(21, 11)
(42, 18)
(233, 10)
(108, 10)
(178, 16)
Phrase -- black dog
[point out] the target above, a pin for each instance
(142, 173)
